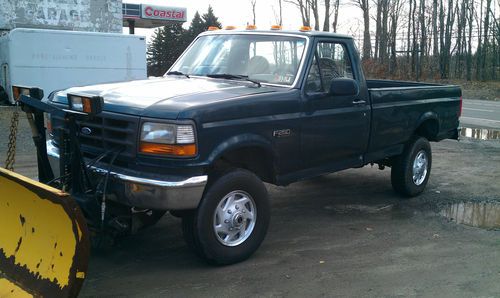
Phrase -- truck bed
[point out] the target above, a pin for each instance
(399, 108)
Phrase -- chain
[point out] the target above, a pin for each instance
(11, 149)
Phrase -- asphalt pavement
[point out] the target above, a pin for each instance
(345, 234)
(480, 114)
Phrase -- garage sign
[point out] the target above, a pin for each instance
(163, 12)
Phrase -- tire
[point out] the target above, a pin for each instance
(409, 176)
(237, 205)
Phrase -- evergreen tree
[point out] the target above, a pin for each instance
(167, 45)
(197, 26)
(170, 41)
(210, 19)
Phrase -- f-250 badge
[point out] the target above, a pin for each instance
(282, 133)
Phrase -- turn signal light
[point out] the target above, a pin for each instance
(276, 27)
(305, 28)
(251, 27)
(34, 92)
(166, 149)
(213, 28)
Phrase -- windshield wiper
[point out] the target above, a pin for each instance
(177, 73)
(232, 77)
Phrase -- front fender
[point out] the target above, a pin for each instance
(240, 141)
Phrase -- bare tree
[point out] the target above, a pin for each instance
(479, 39)
(315, 12)
(423, 37)
(280, 9)
(486, 40)
(326, 23)
(304, 8)
(470, 16)
(367, 45)
(384, 31)
(335, 11)
(395, 11)
(253, 3)
(378, 26)
(435, 51)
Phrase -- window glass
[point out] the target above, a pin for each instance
(331, 61)
(313, 82)
(265, 58)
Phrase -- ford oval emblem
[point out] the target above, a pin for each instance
(86, 130)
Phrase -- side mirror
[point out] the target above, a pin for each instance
(344, 87)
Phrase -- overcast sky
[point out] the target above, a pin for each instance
(239, 13)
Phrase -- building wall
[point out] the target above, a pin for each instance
(80, 15)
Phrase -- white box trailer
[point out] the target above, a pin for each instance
(57, 59)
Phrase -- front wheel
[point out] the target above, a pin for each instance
(232, 219)
(411, 170)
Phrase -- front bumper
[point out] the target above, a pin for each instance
(145, 190)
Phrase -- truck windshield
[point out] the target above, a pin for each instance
(273, 59)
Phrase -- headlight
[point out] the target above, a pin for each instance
(91, 105)
(168, 139)
(34, 92)
(158, 133)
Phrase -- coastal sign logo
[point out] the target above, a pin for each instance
(163, 12)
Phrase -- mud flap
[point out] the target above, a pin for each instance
(44, 240)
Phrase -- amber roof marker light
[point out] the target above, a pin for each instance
(305, 28)
(276, 27)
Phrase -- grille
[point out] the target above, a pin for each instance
(104, 132)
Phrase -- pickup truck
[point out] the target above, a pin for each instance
(243, 107)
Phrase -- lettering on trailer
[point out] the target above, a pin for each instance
(163, 13)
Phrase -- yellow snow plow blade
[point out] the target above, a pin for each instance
(44, 240)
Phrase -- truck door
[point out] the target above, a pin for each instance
(335, 128)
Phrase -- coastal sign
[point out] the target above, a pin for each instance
(163, 13)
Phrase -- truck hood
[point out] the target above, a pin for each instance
(164, 97)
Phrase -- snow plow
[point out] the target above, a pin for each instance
(44, 241)
(44, 235)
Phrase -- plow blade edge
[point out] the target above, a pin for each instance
(44, 240)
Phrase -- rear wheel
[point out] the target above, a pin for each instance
(232, 219)
(411, 170)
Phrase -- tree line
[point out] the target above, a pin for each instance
(419, 39)
(398, 39)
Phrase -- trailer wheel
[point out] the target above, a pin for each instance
(232, 219)
(411, 170)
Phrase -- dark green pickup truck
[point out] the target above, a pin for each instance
(240, 108)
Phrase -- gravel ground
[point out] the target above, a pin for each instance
(343, 234)
(25, 149)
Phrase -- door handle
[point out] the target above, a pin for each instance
(359, 102)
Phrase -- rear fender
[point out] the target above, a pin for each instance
(425, 117)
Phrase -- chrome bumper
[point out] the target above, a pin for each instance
(144, 190)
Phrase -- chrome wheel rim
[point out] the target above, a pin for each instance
(234, 218)
(420, 167)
